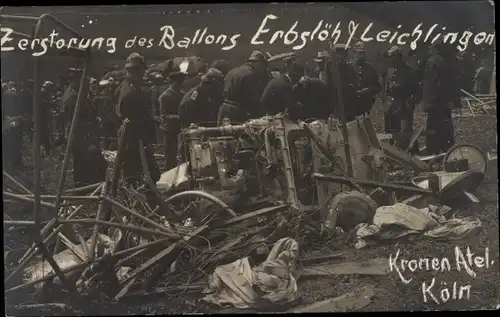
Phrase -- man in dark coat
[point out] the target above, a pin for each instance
(199, 103)
(133, 104)
(69, 97)
(169, 102)
(243, 87)
(368, 84)
(89, 165)
(440, 96)
(347, 81)
(321, 60)
(399, 82)
(279, 94)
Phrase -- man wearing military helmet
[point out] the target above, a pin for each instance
(367, 83)
(132, 104)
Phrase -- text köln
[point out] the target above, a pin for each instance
(463, 260)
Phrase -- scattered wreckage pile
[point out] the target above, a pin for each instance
(485, 104)
(234, 222)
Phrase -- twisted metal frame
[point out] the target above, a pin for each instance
(36, 223)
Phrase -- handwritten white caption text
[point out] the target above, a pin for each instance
(323, 31)
(441, 292)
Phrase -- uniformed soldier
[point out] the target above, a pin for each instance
(170, 101)
(399, 84)
(243, 87)
(69, 97)
(321, 60)
(89, 165)
(440, 96)
(368, 84)
(13, 121)
(347, 81)
(199, 103)
(133, 105)
(279, 94)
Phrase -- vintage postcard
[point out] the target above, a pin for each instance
(248, 158)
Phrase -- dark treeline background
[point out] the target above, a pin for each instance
(124, 22)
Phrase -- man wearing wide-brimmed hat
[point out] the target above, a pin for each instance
(279, 93)
(169, 102)
(198, 104)
(243, 87)
(368, 84)
(133, 104)
(321, 61)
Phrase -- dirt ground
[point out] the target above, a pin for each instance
(391, 294)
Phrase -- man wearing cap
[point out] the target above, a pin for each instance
(243, 87)
(367, 83)
(347, 80)
(441, 93)
(170, 101)
(399, 85)
(321, 61)
(199, 103)
(279, 94)
(133, 104)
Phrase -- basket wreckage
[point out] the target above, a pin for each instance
(243, 188)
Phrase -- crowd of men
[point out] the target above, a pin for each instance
(247, 91)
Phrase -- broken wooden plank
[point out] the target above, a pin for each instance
(369, 183)
(378, 266)
(253, 214)
(404, 158)
(324, 258)
(348, 302)
(160, 256)
(181, 289)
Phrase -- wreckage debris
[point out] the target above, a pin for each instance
(213, 238)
